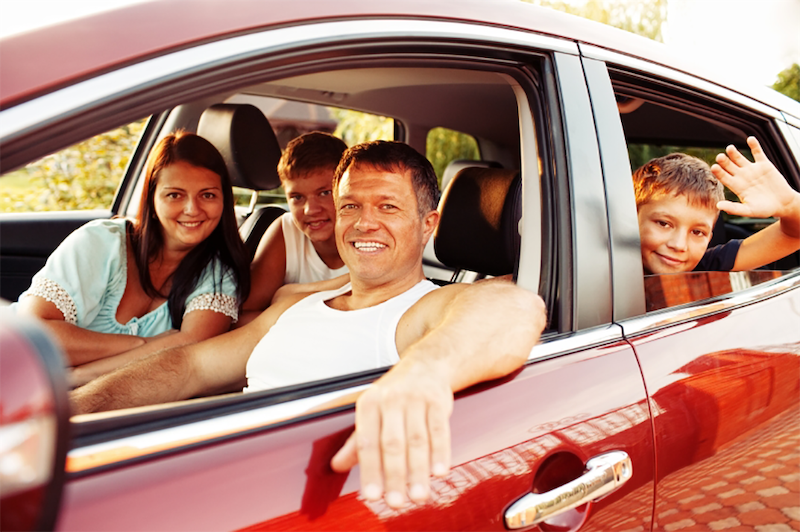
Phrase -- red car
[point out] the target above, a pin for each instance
(660, 403)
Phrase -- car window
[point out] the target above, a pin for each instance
(444, 146)
(84, 176)
(372, 117)
(658, 119)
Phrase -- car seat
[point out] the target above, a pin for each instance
(244, 137)
(478, 228)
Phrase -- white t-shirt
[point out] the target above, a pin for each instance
(303, 264)
(312, 341)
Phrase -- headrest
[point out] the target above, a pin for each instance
(456, 165)
(243, 136)
(479, 218)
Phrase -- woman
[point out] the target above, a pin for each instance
(117, 290)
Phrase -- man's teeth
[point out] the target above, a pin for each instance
(369, 246)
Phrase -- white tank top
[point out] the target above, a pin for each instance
(303, 264)
(312, 341)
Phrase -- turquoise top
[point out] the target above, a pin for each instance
(86, 276)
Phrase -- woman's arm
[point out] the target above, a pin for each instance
(197, 325)
(81, 345)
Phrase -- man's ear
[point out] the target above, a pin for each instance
(429, 224)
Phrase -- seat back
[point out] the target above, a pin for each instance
(478, 228)
(244, 137)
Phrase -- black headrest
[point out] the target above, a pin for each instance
(456, 165)
(243, 136)
(479, 218)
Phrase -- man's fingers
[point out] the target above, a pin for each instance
(439, 431)
(419, 452)
(736, 156)
(347, 457)
(367, 439)
(393, 444)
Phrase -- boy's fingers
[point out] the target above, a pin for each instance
(736, 209)
(756, 149)
(735, 156)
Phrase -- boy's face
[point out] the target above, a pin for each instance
(311, 203)
(674, 234)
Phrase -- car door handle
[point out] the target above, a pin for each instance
(604, 474)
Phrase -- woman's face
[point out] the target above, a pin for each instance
(188, 203)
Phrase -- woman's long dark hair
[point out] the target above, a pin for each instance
(224, 243)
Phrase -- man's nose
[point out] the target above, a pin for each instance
(367, 220)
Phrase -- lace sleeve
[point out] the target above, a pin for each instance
(54, 293)
(221, 303)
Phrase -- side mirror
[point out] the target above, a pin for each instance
(34, 425)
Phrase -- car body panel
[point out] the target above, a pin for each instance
(719, 373)
(723, 385)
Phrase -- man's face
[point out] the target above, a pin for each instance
(379, 233)
(311, 203)
(674, 234)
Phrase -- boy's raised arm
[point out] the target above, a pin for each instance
(764, 193)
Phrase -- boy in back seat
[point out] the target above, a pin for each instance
(678, 199)
(299, 247)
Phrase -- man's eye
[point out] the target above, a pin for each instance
(388, 206)
(295, 198)
(698, 232)
(325, 193)
(662, 223)
(347, 207)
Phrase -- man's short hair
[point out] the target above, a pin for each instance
(310, 152)
(396, 157)
(677, 174)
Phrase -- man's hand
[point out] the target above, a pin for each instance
(402, 432)
(759, 185)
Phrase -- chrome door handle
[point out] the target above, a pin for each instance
(604, 474)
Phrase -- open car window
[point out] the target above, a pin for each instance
(423, 105)
(660, 118)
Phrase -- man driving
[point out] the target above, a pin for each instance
(439, 340)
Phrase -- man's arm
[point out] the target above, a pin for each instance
(197, 326)
(452, 338)
(764, 193)
(211, 366)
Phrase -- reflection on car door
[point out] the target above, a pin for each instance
(531, 432)
(725, 390)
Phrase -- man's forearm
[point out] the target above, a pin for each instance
(160, 378)
(471, 348)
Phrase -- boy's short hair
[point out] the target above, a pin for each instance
(394, 156)
(309, 152)
(678, 174)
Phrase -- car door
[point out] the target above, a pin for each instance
(718, 350)
(260, 462)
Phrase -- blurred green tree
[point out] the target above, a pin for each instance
(789, 82)
(82, 177)
(642, 18)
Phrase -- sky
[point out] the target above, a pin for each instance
(754, 39)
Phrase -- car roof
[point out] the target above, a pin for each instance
(46, 59)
